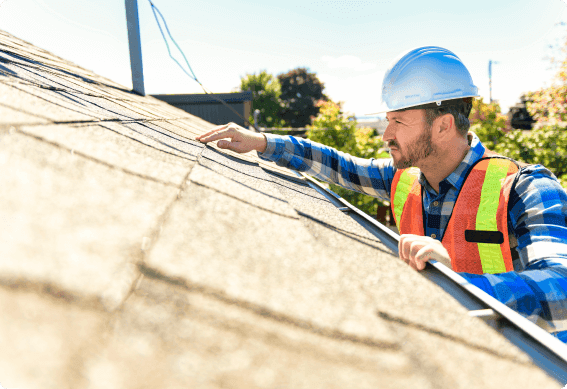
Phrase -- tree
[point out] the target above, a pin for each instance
(549, 105)
(266, 93)
(546, 145)
(332, 128)
(300, 92)
(488, 122)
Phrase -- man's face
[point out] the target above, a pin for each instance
(409, 137)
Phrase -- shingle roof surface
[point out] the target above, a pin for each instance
(133, 256)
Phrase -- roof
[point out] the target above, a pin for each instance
(132, 255)
(201, 98)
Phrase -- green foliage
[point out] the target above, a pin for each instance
(300, 93)
(487, 122)
(333, 129)
(369, 144)
(549, 105)
(266, 91)
(546, 146)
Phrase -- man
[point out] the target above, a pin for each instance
(502, 226)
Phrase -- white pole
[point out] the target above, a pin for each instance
(135, 46)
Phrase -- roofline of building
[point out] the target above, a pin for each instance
(202, 98)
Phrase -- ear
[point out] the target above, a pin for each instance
(446, 124)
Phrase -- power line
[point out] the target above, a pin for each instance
(157, 12)
(192, 75)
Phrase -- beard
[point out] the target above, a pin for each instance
(412, 153)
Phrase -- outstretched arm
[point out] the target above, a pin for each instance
(369, 176)
(241, 139)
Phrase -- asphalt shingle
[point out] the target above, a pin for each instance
(69, 221)
(132, 255)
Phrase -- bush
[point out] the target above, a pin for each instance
(488, 123)
(266, 91)
(546, 146)
(333, 129)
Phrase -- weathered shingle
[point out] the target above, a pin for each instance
(132, 255)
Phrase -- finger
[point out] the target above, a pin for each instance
(401, 245)
(417, 265)
(415, 247)
(213, 131)
(220, 134)
(404, 246)
(426, 253)
(225, 144)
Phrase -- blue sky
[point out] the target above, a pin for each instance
(349, 44)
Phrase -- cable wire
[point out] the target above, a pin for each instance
(157, 12)
(192, 75)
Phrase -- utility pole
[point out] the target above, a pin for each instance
(135, 47)
(490, 77)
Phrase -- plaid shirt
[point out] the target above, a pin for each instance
(537, 288)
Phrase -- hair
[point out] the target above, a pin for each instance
(460, 111)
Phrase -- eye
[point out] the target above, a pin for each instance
(394, 121)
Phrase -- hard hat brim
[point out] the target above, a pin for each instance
(431, 104)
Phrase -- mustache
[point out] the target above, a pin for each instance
(393, 143)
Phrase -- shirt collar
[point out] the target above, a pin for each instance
(457, 177)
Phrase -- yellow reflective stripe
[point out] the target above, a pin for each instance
(491, 254)
(402, 192)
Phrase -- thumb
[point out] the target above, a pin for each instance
(224, 144)
(232, 146)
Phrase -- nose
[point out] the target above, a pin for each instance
(388, 134)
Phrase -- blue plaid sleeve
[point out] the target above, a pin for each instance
(538, 216)
(538, 293)
(538, 287)
(372, 177)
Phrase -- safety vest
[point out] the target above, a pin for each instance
(476, 236)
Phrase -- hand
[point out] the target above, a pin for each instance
(415, 250)
(241, 140)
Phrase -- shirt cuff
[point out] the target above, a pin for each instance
(271, 146)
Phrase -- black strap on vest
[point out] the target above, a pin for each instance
(478, 236)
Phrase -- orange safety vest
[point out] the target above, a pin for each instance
(476, 236)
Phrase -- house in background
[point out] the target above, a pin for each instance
(376, 123)
(210, 108)
(519, 116)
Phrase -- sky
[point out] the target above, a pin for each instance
(349, 44)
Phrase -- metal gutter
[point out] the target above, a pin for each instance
(546, 351)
